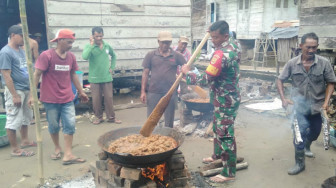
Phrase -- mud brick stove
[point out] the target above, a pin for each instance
(171, 173)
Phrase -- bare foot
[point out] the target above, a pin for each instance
(221, 179)
(208, 160)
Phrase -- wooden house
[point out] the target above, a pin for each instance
(130, 27)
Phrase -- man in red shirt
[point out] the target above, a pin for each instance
(58, 68)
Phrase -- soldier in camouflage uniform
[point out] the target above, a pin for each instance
(225, 96)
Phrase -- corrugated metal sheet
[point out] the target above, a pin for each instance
(284, 33)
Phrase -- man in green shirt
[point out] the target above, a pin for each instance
(100, 75)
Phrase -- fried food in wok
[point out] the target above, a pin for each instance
(199, 100)
(138, 145)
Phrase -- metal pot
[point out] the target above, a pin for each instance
(139, 161)
(200, 107)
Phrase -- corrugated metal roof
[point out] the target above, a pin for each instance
(284, 33)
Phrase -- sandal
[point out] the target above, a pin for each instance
(221, 179)
(31, 144)
(74, 161)
(23, 153)
(97, 121)
(116, 121)
(56, 156)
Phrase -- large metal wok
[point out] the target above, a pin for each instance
(139, 161)
(196, 106)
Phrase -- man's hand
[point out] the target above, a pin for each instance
(325, 107)
(91, 41)
(17, 100)
(143, 97)
(84, 98)
(185, 69)
(31, 102)
(286, 102)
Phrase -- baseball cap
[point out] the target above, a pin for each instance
(64, 34)
(184, 39)
(165, 36)
(16, 29)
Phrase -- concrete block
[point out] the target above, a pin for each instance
(113, 168)
(101, 164)
(130, 173)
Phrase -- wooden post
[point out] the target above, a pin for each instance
(33, 92)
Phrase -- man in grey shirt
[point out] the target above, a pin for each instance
(313, 80)
(14, 72)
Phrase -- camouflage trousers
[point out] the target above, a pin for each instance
(224, 140)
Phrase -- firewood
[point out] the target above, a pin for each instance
(216, 171)
(218, 163)
(209, 132)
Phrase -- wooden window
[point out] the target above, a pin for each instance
(241, 4)
(285, 4)
(278, 4)
(247, 3)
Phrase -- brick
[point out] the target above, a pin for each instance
(130, 173)
(178, 173)
(176, 163)
(179, 182)
(92, 167)
(102, 155)
(104, 174)
(177, 152)
(113, 168)
(101, 164)
(129, 183)
(111, 184)
(102, 182)
(118, 181)
(151, 184)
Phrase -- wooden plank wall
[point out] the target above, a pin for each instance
(319, 17)
(198, 19)
(260, 16)
(130, 27)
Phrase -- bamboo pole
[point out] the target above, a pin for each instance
(33, 91)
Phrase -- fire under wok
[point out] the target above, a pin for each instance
(140, 161)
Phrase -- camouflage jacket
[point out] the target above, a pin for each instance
(224, 89)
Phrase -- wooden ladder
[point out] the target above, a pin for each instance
(261, 46)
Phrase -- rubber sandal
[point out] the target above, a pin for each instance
(32, 144)
(116, 121)
(74, 161)
(97, 121)
(56, 156)
(23, 153)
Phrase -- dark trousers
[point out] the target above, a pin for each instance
(310, 128)
(153, 99)
(98, 91)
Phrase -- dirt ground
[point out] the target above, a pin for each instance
(264, 140)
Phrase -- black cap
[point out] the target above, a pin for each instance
(16, 29)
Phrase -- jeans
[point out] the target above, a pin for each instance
(64, 112)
